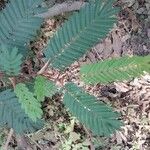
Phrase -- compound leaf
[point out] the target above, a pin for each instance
(82, 31)
(19, 23)
(44, 87)
(117, 69)
(97, 116)
(12, 115)
(28, 102)
(10, 61)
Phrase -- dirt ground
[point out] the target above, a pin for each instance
(130, 36)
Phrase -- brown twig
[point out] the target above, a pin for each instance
(35, 143)
(90, 138)
(13, 82)
(44, 68)
(58, 9)
(22, 143)
(5, 147)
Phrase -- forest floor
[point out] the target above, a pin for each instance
(130, 36)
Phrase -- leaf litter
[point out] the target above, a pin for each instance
(130, 36)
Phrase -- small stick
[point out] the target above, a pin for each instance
(44, 68)
(90, 138)
(5, 147)
(13, 82)
(23, 143)
(62, 8)
(35, 143)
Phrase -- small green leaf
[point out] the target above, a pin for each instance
(12, 115)
(44, 87)
(28, 102)
(10, 61)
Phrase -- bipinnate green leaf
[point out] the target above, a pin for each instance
(28, 102)
(44, 88)
(97, 116)
(117, 69)
(10, 61)
(13, 116)
(82, 31)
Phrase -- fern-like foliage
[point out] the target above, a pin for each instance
(10, 61)
(18, 23)
(100, 118)
(80, 33)
(118, 69)
(12, 115)
(28, 102)
(44, 87)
